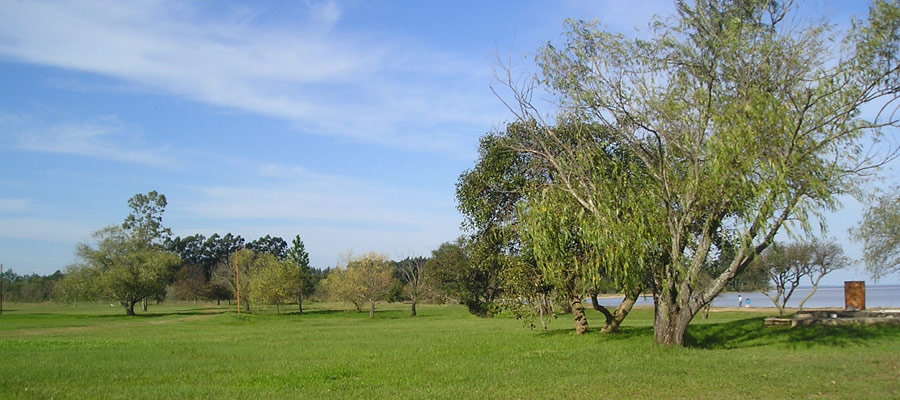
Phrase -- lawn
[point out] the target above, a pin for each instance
(185, 351)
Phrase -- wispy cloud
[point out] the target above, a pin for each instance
(296, 193)
(363, 86)
(105, 138)
(13, 204)
(43, 230)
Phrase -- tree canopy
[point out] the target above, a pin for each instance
(740, 119)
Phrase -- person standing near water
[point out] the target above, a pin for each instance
(748, 303)
(740, 301)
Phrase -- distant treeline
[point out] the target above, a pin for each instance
(31, 288)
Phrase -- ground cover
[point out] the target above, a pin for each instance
(187, 351)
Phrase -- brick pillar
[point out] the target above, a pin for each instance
(854, 295)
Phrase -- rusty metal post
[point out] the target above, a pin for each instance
(854, 295)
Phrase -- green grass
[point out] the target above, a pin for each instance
(208, 352)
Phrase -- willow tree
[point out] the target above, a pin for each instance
(534, 235)
(879, 231)
(743, 119)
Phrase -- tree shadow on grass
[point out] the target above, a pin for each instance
(750, 332)
(624, 332)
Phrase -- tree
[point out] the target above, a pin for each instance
(506, 201)
(275, 282)
(273, 245)
(340, 284)
(412, 270)
(366, 278)
(787, 265)
(452, 269)
(190, 283)
(79, 282)
(144, 224)
(826, 258)
(879, 231)
(374, 275)
(741, 122)
(303, 278)
(239, 273)
(126, 269)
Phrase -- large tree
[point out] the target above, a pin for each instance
(127, 270)
(742, 119)
(129, 261)
(879, 231)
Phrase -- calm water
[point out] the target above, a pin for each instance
(826, 296)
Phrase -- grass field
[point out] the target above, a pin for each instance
(93, 351)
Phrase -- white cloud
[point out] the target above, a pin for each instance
(106, 138)
(390, 91)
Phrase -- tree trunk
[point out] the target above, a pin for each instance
(413, 308)
(670, 322)
(277, 309)
(299, 304)
(581, 323)
(631, 296)
(811, 292)
(144, 304)
(371, 308)
(129, 307)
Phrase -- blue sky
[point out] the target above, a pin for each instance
(347, 123)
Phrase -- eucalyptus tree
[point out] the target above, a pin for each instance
(273, 245)
(743, 120)
(144, 223)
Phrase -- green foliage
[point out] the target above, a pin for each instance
(739, 121)
(144, 224)
(205, 252)
(29, 288)
(276, 282)
(273, 245)
(125, 268)
(305, 278)
(240, 273)
(879, 231)
(453, 270)
(366, 278)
